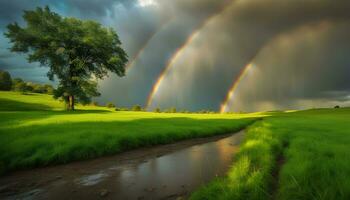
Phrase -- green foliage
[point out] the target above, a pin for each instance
(157, 110)
(16, 81)
(110, 105)
(170, 110)
(74, 50)
(20, 86)
(5, 81)
(173, 110)
(48, 89)
(136, 108)
(122, 109)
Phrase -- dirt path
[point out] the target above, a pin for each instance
(161, 172)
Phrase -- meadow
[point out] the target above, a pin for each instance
(290, 156)
(36, 131)
(287, 155)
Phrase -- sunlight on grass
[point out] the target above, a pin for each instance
(33, 137)
(314, 146)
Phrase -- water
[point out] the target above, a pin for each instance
(146, 174)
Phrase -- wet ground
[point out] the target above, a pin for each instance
(163, 172)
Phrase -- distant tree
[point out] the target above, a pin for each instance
(20, 87)
(172, 110)
(110, 105)
(336, 106)
(29, 86)
(184, 111)
(38, 88)
(16, 80)
(136, 108)
(15, 83)
(48, 89)
(75, 51)
(5, 81)
(157, 110)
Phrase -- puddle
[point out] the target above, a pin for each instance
(93, 179)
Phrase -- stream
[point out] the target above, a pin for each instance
(170, 171)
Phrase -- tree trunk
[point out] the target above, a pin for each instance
(71, 103)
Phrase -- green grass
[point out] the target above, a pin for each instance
(36, 131)
(286, 156)
(290, 156)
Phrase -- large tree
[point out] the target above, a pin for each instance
(77, 52)
(5, 80)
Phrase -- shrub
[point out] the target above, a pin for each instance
(110, 105)
(37, 88)
(136, 108)
(157, 110)
(173, 110)
(49, 89)
(20, 87)
(336, 106)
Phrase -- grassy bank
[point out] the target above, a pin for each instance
(290, 156)
(35, 131)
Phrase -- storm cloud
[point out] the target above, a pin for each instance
(298, 49)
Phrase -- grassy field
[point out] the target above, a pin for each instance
(287, 155)
(290, 156)
(36, 131)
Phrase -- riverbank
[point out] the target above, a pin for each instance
(161, 172)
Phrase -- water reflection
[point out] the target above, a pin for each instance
(177, 173)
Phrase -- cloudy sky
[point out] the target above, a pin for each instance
(228, 55)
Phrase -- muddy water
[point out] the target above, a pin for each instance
(162, 172)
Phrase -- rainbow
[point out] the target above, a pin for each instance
(170, 62)
(179, 50)
(141, 50)
(234, 86)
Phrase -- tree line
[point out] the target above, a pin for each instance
(17, 84)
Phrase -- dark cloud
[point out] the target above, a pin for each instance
(212, 62)
(299, 48)
(12, 10)
(309, 65)
(170, 36)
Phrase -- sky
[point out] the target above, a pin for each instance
(221, 55)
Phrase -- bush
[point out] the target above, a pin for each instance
(5, 81)
(20, 87)
(110, 105)
(157, 110)
(49, 89)
(94, 103)
(37, 88)
(136, 108)
(170, 110)
(336, 106)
